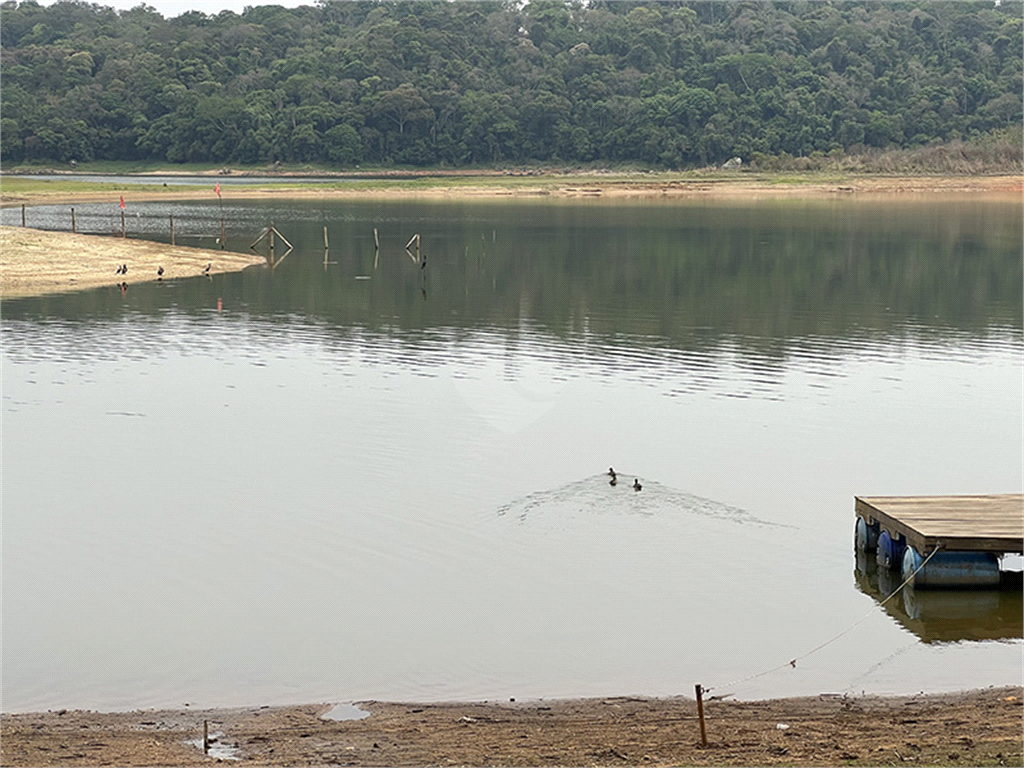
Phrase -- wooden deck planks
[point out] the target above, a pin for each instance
(991, 523)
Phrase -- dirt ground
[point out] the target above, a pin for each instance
(977, 728)
(34, 262)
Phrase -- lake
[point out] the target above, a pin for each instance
(375, 478)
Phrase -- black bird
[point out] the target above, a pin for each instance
(159, 273)
(124, 269)
(636, 485)
(207, 270)
(117, 271)
(613, 481)
(611, 472)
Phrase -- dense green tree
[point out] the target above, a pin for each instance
(671, 83)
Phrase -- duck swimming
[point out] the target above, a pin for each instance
(613, 481)
(611, 472)
(636, 484)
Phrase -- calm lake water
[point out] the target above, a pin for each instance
(375, 480)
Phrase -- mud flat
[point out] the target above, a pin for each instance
(980, 728)
(34, 262)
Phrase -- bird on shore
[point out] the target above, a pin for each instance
(159, 273)
(121, 270)
(206, 271)
(636, 484)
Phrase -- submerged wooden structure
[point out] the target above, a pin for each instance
(957, 539)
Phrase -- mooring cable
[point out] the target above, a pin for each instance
(792, 662)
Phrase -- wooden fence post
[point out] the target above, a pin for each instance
(700, 715)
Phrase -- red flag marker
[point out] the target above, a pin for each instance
(217, 189)
(123, 206)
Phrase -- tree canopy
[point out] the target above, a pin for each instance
(431, 82)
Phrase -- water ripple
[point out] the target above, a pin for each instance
(595, 496)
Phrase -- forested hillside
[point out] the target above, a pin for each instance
(426, 83)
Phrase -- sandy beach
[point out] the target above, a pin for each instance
(34, 262)
(979, 728)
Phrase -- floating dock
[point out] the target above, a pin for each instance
(970, 533)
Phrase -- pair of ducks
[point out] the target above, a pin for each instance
(615, 480)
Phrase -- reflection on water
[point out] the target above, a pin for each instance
(297, 485)
(947, 615)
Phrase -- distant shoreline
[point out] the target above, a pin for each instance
(35, 263)
(980, 727)
(458, 186)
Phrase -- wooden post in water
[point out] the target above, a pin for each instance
(376, 248)
(23, 214)
(326, 244)
(271, 241)
(222, 245)
(206, 736)
(700, 715)
(73, 228)
(123, 231)
(172, 229)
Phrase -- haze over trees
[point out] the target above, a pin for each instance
(429, 83)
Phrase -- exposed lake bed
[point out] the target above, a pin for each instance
(970, 728)
(383, 445)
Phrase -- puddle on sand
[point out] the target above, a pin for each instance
(345, 712)
(217, 749)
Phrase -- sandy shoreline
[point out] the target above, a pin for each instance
(968, 728)
(638, 186)
(34, 262)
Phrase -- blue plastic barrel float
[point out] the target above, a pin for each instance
(952, 569)
(865, 536)
(890, 550)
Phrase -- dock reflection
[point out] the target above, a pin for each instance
(946, 615)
